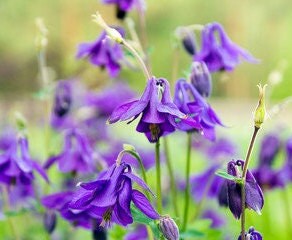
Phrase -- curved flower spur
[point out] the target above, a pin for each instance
(160, 115)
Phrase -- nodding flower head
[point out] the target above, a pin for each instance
(252, 234)
(188, 39)
(220, 54)
(230, 192)
(103, 52)
(109, 197)
(159, 114)
(190, 102)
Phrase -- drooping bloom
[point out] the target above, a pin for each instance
(60, 202)
(140, 233)
(124, 6)
(201, 78)
(266, 176)
(159, 114)
(252, 234)
(188, 39)
(220, 54)
(103, 53)
(230, 192)
(109, 197)
(17, 170)
(190, 102)
(77, 155)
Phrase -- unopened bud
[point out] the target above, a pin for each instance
(168, 228)
(188, 39)
(201, 78)
(50, 220)
(260, 112)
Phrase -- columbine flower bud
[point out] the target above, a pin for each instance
(188, 39)
(201, 78)
(252, 234)
(50, 220)
(168, 228)
(260, 112)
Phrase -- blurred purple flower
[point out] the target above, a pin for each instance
(159, 113)
(285, 173)
(252, 234)
(188, 39)
(190, 102)
(221, 54)
(230, 192)
(7, 138)
(17, 166)
(206, 184)
(217, 220)
(124, 6)
(60, 202)
(77, 155)
(103, 52)
(140, 233)
(266, 176)
(110, 196)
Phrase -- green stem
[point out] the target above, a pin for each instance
(171, 176)
(158, 177)
(187, 189)
(245, 168)
(288, 221)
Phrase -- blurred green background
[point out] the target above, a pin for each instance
(263, 27)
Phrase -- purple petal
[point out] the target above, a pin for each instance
(138, 181)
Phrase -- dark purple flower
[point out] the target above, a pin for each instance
(168, 228)
(17, 166)
(252, 234)
(201, 78)
(266, 176)
(217, 220)
(124, 6)
(103, 52)
(110, 196)
(77, 155)
(140, 233)
(188, 39)
(159, 114)
(190, 102)
(230, 192)
(49, 221)
(221, 54)
(60, 202)
(285, 173)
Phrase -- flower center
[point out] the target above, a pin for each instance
(155, 130)
(106, 218)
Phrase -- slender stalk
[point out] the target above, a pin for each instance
(158, 177)
(7, 208)
(187, 189)
(245, 168)
(286, 201)
(171, 176)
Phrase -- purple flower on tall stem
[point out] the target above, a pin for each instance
(252, 234)
(77, 155)
(217, 220)
(220, 54)
(110, 196)
(160, 115)
(103, 52)
(190, 102)
(230, 192)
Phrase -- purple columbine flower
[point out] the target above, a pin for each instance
(60, 202)
(230, 192)
(222, 55)
(188, 39)
(140, 233)
(103, 52)
(159, 114)
(7, 138)
(252, 234)
(266, 176)
(110, 196)
(285, 172)
(77, 155)
(190, 102)
(124, 6)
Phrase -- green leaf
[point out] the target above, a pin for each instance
(225, 175)
(139, 216)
